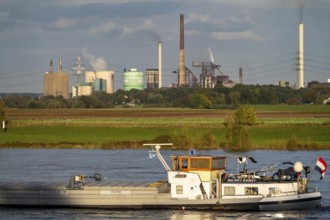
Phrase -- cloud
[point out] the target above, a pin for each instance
(63, 23)
(198, 17)
(146, 25)
(244, 35)
(105, 28)
(208, 23)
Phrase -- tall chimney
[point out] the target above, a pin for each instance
(60, 65)
(51, 66)
(300, 66)
(182, 62)
(159, 65)
(241, 75)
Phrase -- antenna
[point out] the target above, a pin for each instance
(79, 69)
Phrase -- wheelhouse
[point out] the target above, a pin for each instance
(207, 167)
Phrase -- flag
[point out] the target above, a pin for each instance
(152, 154)
(321, 166)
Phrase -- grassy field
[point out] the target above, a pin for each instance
(94, 127)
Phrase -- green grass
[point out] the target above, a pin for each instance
(157, 122)
(292, 108)
(260, 135)
(304, 134)
(268, 131)
(55, 134)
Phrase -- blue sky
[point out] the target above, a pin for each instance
(259, 35)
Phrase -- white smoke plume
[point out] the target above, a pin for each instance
(98, 63)
(300, 6)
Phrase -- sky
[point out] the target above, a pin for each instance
(261, 36)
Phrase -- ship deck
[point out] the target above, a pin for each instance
(161, 186)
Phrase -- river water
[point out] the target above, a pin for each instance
(134, 165)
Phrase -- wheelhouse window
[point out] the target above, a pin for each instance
(219, 163)
(184, 163)
(251, 191)
(203, 163)
(199, 163)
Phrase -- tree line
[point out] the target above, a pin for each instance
(218, 97)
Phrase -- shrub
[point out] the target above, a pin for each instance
(200, 101)
(245, 115)
(237, 138)
(187, 139)
(292, 143)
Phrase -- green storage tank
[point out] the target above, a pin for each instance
(133, 79)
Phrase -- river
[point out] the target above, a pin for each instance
(128, 165)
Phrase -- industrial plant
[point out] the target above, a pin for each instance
(208, 77)
(56, 83)
(133, 79)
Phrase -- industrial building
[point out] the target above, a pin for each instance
(152, 76)
(133, 79)
(284, 83)
(56, 83)
(208, 78)
(97, 81)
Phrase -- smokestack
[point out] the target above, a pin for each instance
(182, 62)
(241, 75)
(51, 66)
(300, 67)
(159, 65)
(60, 65)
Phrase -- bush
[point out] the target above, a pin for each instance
(36, 104)
(245, 115)
(292, 143)
(186, 139)
(237, 138)
(236, 135)
(200, 101)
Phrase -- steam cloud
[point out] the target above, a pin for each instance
(300, 6)
(98, 63)
(153, 37)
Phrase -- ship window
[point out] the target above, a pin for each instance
(218, 163)
(179, 189)
(251, 190)
(229, 190)
(275, 190)
(184, 163)
(200, 163)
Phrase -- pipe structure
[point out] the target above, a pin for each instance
(300, 67)
(182, 62)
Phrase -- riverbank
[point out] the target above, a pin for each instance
(130, 128)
